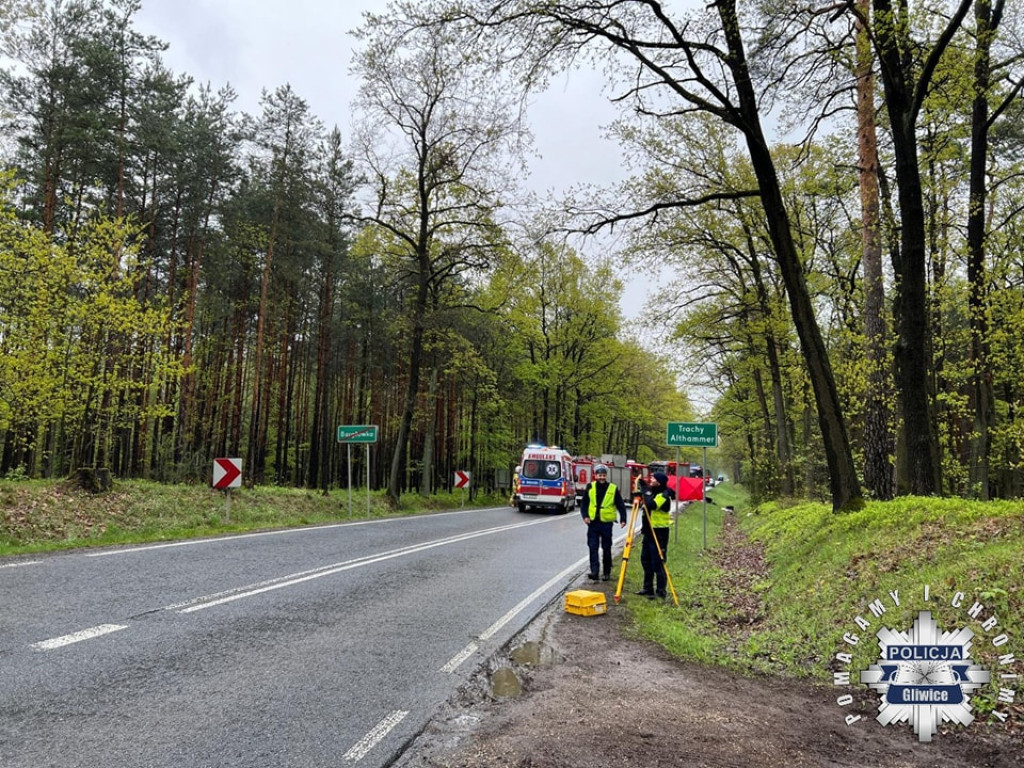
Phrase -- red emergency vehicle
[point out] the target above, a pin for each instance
(672, 470)
(619, 472)
(637, 472)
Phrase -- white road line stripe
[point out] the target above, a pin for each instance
(282, 532)
(77, 637)
(458, 658)
(472, 648)
(19, 564)
(488, 633)
(370, 740)
(287, 581)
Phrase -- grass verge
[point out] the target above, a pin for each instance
(39, 516)
(823, 576)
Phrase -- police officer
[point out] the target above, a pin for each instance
(599, 507)
(657, 504)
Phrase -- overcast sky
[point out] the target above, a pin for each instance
(262, 44)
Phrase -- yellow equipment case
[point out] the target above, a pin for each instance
(583, 602)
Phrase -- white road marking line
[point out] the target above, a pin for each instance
(488, 633)
(282, 532)
(472, 648)
(221, 598)
(370, 740)
(77, 637)
(19, 564)
(458, 658)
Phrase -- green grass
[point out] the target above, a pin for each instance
(40, 516)
(825, 569)
(689, 631)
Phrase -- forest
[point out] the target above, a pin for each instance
(831, 192)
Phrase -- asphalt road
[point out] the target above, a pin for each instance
(325, 646)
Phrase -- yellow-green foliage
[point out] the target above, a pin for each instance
(75, 340)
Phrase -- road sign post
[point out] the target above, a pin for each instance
(227, 474)
(358, 433)
(462, 479)
(698, 435)
(693, 434)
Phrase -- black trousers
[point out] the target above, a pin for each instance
(599, 537)
(654, 567)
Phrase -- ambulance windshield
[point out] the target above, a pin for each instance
(534, 469)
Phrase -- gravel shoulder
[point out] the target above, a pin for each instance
(593, 695)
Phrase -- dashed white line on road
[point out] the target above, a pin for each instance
(77, 637)
(20, 563)
(370, 740)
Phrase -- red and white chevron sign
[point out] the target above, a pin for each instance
(461, 479)
(227, 473)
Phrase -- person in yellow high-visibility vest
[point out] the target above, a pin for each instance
(657, 503)
(600, 505)
(515, 486)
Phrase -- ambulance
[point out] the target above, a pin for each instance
(546, 480)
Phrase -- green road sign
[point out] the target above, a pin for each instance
(684, 433)
(357, 433)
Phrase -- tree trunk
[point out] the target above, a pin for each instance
(430, 436)
(843, 482)
(412, 389)
(918, 469)
(319, 445)
(987, 18)
(879, 445)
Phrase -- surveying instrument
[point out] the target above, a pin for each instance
(634, 514)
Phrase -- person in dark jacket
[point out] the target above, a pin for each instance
(600, 505)
(657, 518)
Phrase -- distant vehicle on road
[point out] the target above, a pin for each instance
(546, 481)
(672, 470)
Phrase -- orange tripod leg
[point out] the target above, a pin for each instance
(627, 547)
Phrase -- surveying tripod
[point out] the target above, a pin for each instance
(634, 513)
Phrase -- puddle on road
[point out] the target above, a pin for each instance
(505, 683)
(534, 654)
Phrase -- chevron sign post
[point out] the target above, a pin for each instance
(227, 474)
(462, 483)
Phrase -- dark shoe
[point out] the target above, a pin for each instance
(646, 592)
(606, 577)
(592, 576)
(650, 596)
(661, 594)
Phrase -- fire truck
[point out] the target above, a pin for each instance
(672, 470)
(546, 479)
(620, 471)
(637, 472)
